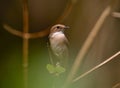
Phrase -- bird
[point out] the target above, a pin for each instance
(59, 45)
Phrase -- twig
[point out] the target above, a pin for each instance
(87, 45)
(67, 11)
(116, 14)
(40, 34)
(25, 42)
(12, 30)
(27, 35)
(96, 67)
(116, 85)
(49, 51)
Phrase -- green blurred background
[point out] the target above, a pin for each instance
(81, 20)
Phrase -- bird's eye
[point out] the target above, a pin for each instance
(58, 27)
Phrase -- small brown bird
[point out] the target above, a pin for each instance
(59, 44)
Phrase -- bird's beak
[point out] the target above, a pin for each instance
(67, 27)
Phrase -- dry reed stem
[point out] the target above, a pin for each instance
(96, 67)
(25, 42)
(27, 35)
(116, 14)
(116, 85)
(12, 30)
(86, 45)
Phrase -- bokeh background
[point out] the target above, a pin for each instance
(81, 20)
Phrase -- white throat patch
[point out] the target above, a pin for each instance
(57, 33)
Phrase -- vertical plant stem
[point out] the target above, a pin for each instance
(50, 54)
(25, 42)
(25, 62)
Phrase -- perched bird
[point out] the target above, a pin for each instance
(59, 45)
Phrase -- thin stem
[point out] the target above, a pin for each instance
(50, 56)
(116, 14)
(25, 62)
(96, 67)
(116, 85)
(25, 42)
(12, 30)
(87, 45)
(67, 11)
(25, 17)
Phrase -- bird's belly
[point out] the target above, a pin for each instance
(58, 45)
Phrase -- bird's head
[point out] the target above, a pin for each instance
(58, 28)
